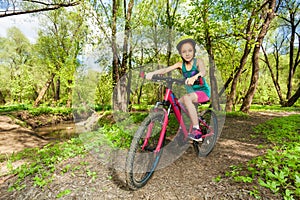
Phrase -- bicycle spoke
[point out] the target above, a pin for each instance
(142, 157)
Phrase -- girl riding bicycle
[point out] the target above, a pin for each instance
(192, 69)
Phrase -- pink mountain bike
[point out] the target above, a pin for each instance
(148, 142)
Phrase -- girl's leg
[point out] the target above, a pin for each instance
(189, 100)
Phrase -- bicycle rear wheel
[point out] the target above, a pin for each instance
(142, 159)
(209, 126)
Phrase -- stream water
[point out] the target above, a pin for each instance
(61, 131)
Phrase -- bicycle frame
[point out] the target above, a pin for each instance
(172, 103)
(177, 107)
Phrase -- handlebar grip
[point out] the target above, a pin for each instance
(200, 80)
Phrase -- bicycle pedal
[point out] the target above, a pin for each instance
(151, 149)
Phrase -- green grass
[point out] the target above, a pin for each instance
(238, 114)
(41, 163)
(279, 169)
(36, 111)
(275, 108)
(141, 107)
(14, 107)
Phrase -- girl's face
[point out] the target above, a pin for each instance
(187, 52)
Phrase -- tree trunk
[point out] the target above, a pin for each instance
(293, 99)
(69, 92)
(57, 90)
(291, 64)
(247, 50)
(120, 99)
(44, 90)
(215, 101)
(115, 64)
(293, 22)
(274, 78)
(120, 95)
(212, 68)
(2, 99)
(140, 91)
(255, 57)
(232, 94)
(170, 25)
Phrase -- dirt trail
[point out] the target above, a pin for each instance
(187, 178)
(14, 137)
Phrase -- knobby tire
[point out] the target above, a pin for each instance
(141, 164)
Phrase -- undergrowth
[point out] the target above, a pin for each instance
(36, 111)
(41, 163)
(279, 169)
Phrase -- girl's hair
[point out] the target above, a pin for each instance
(189, 40)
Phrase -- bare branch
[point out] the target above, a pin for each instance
(46, 7)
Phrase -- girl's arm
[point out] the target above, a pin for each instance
(202, 72)
(201, 67)
(163, 70)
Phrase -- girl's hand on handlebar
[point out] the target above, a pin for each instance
(190, 81)
(149, 75)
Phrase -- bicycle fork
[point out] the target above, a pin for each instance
(161, 136)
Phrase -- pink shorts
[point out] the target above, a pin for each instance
(202, 97)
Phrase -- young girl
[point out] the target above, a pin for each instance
(192, 68)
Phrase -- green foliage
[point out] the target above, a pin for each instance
(41, 163)
(50, 110)
(217, 179)
(275, 108)
(277, 170)
(91, 174)
(36, 111)
(141, 107)
(16, 67)
(14, 107)
(237, 114)
(63, 193)
(281, 131)
(113, 134)
(104, 91)
(118, 135)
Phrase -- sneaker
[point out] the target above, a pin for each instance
(196, 135)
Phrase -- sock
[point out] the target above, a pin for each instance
(196, 127)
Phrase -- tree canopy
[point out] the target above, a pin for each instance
(251, 49)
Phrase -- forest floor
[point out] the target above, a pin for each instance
(189, 177)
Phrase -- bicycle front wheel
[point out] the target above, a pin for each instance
(142, 159)
(209, 126)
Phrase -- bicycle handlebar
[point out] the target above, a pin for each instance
(173, 80)
(168, 79)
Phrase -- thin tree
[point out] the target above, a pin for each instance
(268, 15)
(291, 16)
